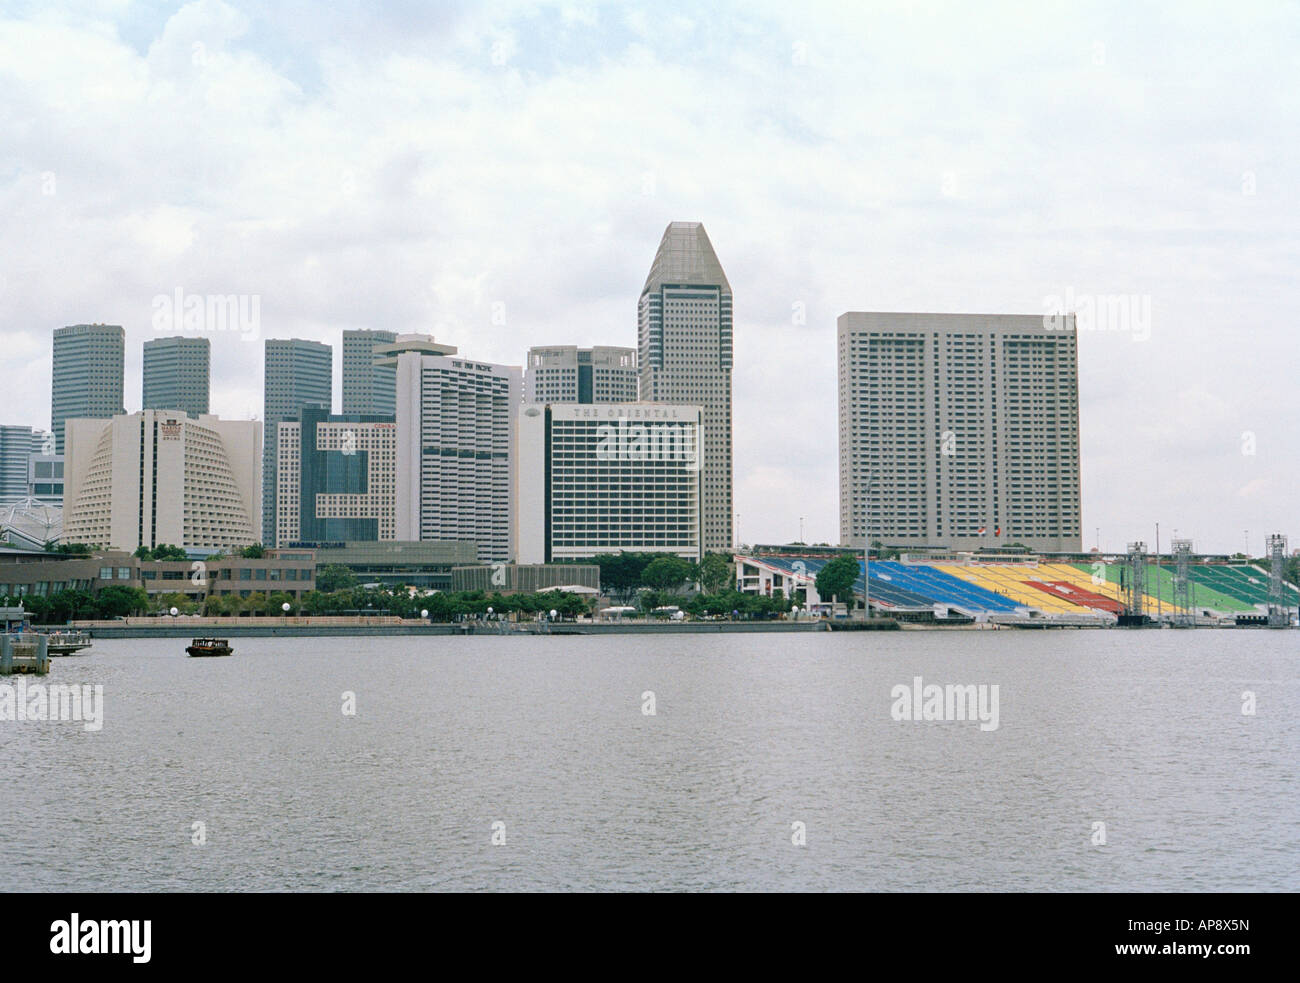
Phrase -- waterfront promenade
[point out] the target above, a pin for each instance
(186, 627)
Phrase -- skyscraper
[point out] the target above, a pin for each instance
(86, 381)
(684, 347)
(299, 374)
(367, 387)
(177, 374)
(568, 374)
(959, 431)
(455, 445)
(17, 445)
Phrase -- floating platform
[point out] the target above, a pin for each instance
(873, 624)
(67, 642)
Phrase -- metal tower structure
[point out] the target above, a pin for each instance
(1279, 611)
(1184, 592)
(1135, 583)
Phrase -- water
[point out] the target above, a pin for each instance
(1141, 731)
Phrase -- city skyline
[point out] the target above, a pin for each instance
(832, 177)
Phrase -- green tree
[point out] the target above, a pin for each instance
(71, 605)
(177, 600)
(666, 572)
(37, 608)
(334, 577)
(255, 552)
(166, 552)
(120, 602)
(716, 572)
(621, 573)
(143, 552)
(276, 601)
(73, 549)
(835, 580)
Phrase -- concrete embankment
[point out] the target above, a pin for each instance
(304, 628)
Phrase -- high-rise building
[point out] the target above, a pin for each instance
(568, 374)
(684, 354)
(603, 479)
(337, 479)
(959, 431)
(299, 374)
(177, 374)
(367, 387)
(158, 477)
(17, 445)
(455, 461)
(86, 381)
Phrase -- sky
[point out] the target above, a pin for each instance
(499, 174)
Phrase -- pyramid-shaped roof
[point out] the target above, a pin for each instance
(686, 256)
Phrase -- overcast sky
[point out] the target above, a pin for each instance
(499, 174)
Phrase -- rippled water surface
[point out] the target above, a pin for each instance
(1141, 731)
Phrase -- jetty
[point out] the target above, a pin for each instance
(67, 642)
(24, 652)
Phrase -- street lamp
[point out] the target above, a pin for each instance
(489, 614)
(794, 612)
(866, 552)
(285, 608)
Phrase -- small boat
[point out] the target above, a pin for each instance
(209, 646)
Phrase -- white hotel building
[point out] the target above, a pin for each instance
(603, 478)
(455, 425)
(159, 476)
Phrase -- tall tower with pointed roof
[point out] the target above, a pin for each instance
(685, 354)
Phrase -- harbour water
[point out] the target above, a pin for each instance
(755, 742)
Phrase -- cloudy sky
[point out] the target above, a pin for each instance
(500, 174)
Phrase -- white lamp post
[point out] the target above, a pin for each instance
(866, 553)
